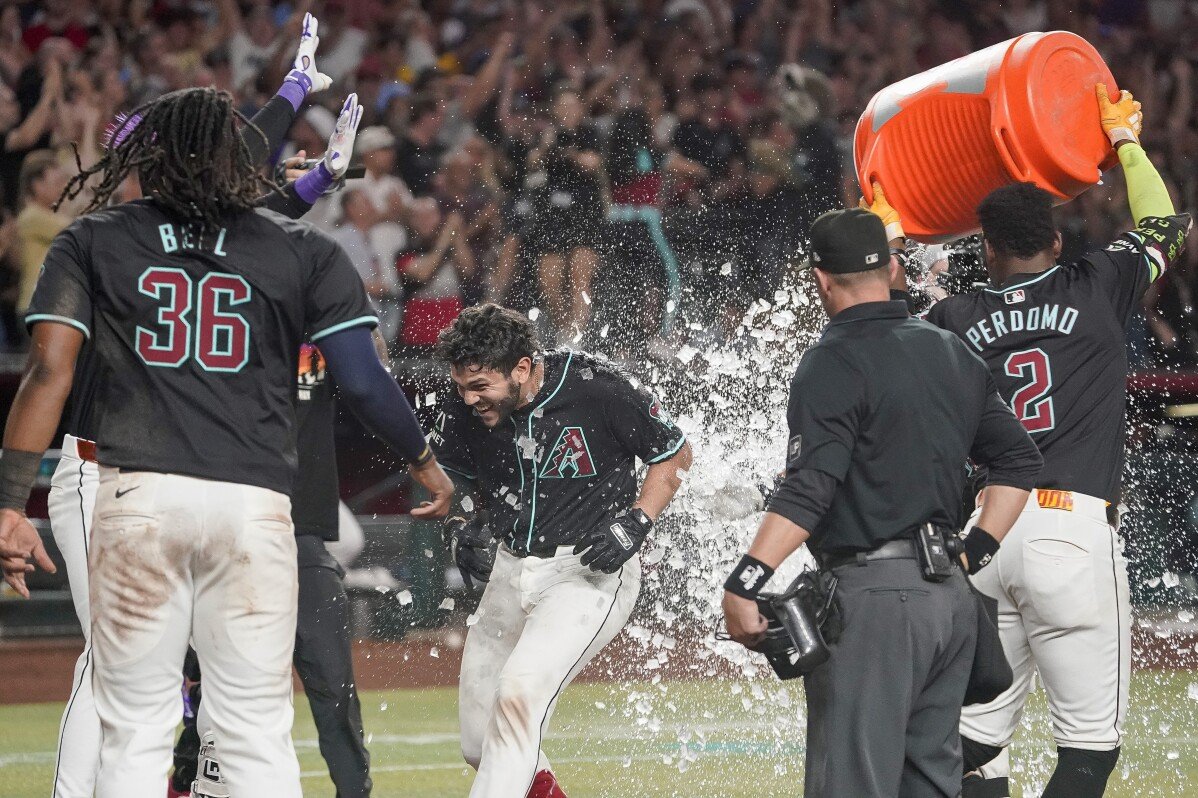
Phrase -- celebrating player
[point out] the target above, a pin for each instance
(1053, 337)
(548, 443)
(73, 488)
(196, 302)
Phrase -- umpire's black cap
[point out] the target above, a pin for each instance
(847, 241)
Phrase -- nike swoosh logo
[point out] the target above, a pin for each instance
(121, 493)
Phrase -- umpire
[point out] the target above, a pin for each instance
(884, 411)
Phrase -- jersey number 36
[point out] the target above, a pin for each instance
(1031, 403)
(219, 340)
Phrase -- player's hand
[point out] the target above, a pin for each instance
(291, 166)
(20, 548)
(304, 71)
(341, 143)
(881, 208)
(1121, 119)
(439, 486)
(471, 547)
(614, 541)
(743, 620)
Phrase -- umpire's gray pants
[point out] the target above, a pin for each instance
(882, 712)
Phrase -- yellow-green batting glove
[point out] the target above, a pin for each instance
(884, 211)
(1122, 119)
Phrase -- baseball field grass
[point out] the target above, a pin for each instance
(678, 739)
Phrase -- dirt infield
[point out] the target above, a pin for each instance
(37, 671)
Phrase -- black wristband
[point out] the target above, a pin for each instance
(980, 548)
(748, 577)
(18, 472)
(424, 457)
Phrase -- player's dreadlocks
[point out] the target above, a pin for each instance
(187, 151)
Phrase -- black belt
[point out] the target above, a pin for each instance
(900, 549)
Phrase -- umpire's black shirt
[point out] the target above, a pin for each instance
(566, 460)
(884, 411)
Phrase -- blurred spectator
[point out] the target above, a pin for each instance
(567, 213)
(419, 152)
(373, 256)
(42, 182)
(386, 192)
(436, 264)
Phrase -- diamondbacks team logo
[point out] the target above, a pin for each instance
(658, 412)
(570, 456)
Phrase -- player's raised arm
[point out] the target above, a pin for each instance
(302, 192)
(1160, 230)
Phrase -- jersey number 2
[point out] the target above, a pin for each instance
(222, 339)
(1031, 403)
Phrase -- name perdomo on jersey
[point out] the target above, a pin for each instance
(1060, 318)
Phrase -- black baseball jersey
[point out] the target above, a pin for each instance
(198, 337)
(883, 413)
(566, 459)
(1055, 343)
(315, 497)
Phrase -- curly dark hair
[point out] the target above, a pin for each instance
(1017, 220)
(187, 151)
(488, 336)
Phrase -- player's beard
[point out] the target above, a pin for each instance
(503, 408)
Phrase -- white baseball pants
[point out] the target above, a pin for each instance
(175, 558)
(1064, 611)
(71, 501)
(541, 620)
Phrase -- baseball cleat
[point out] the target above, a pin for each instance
(208, 783)
(544, 785)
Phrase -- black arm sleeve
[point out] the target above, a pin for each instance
(803, 497)
(1003, 445)
(371, 393)
(274, 120)
(286, 201)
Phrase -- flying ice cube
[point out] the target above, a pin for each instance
(533, 313)
(726, 269)
(1170, 579)
(467, 504)
(434, 652)
(430, 399)
(528, 447)
(686, 354)
(586, 297)
(603, 332)
(1192, 691)
(446, 604)
(587, 374)
(404, 597)
(472, 618)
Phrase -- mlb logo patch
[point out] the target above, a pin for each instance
(1014, 297)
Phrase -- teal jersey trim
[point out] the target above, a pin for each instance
(532, 519)
(78, 325)
(1025, 284)
(459, 473)
(663, 457)
(345, 325)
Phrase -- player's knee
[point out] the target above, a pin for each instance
(1081, 773)
(978, 754)
(513, 709)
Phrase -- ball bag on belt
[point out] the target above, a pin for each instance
(1020, 111)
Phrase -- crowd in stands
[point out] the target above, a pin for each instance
(621, 166)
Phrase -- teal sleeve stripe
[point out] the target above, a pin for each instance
(345, 325)
(459, 473)
(671, 453)
(78, 325)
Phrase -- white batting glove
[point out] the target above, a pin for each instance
(304, 71)
(341, 143)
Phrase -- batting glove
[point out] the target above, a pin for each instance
(304, 71)
(614, 541)
(884, 211)
(341, 143)
(471, 547)
(1121, 120)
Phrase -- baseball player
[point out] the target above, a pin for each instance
(1053, 336)
(547, 444)
(196, 302)
(323, 656)
(73, 487)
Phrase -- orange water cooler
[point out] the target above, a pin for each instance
(1022, 110)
